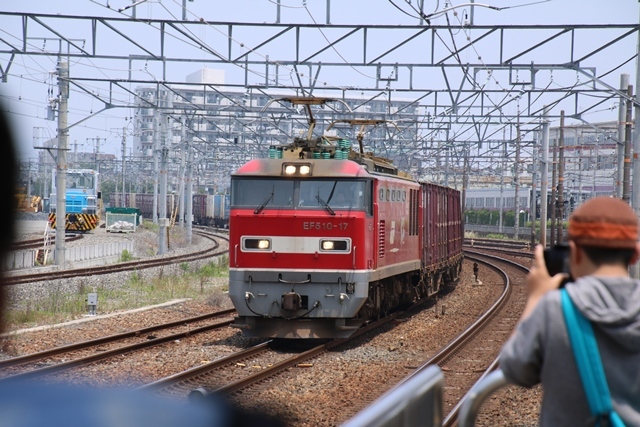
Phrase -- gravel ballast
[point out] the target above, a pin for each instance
(332, 382)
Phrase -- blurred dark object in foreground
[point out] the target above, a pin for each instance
(33, 405)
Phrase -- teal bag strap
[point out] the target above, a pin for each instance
(587, 356)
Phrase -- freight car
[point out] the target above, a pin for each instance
(211, 210)
(304, 263)
(208, 209)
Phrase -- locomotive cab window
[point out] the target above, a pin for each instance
(254, 192)
(283, 193)
(80, 181)
(337, 194)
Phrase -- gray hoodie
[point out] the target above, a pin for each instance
(539, 351)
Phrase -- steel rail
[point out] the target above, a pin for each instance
(60, 367)
(452, 417)
(39, 243)
(111, 338)
(275, 369)
(125, 266)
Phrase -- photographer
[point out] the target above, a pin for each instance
(603, 242)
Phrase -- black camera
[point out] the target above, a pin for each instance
(556, 258)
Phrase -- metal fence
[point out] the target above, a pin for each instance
(87, 252)
(27, 259)
(20, 259)
(415, 402)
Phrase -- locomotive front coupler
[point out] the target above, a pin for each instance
(291, 301)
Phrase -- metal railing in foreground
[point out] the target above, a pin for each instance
(477, 395)
(416, 401)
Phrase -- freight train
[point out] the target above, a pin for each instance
(81, 197)
(323, 239)
(208, 209)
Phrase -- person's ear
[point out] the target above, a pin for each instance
(575, 255)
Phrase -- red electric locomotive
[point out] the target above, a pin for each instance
(319, 246)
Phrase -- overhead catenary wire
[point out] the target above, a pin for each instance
(163, 6)
(498, 103)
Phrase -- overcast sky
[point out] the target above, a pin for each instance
(31, 82)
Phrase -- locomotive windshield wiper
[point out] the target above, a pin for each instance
(325, 205)
(332, 191)
(264, 203)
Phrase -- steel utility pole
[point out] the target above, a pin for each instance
(189, 188)
(162, 220)
(446, 162)
(544, 176)
(156, 129)
(560, 206)
(465, 177)
(554, 194)
(61, 164)
(29, 182)
(502, 171)
(124, 152)
(97, 152)
(516, 179)
(626, 175)
(635, 198)
(181, 191)
(532, 201)
(624, 83)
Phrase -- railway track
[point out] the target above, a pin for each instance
(126, 266)
(500, 250)
(462, 360)
(39, 243)
(480, 356)
(75, 355)
(231, 377)
(204, 380)
(242, 374)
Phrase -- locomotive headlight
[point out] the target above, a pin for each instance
(296, 169)
(327, 245)
(257, 244)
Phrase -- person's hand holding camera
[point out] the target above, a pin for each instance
(538, 281)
